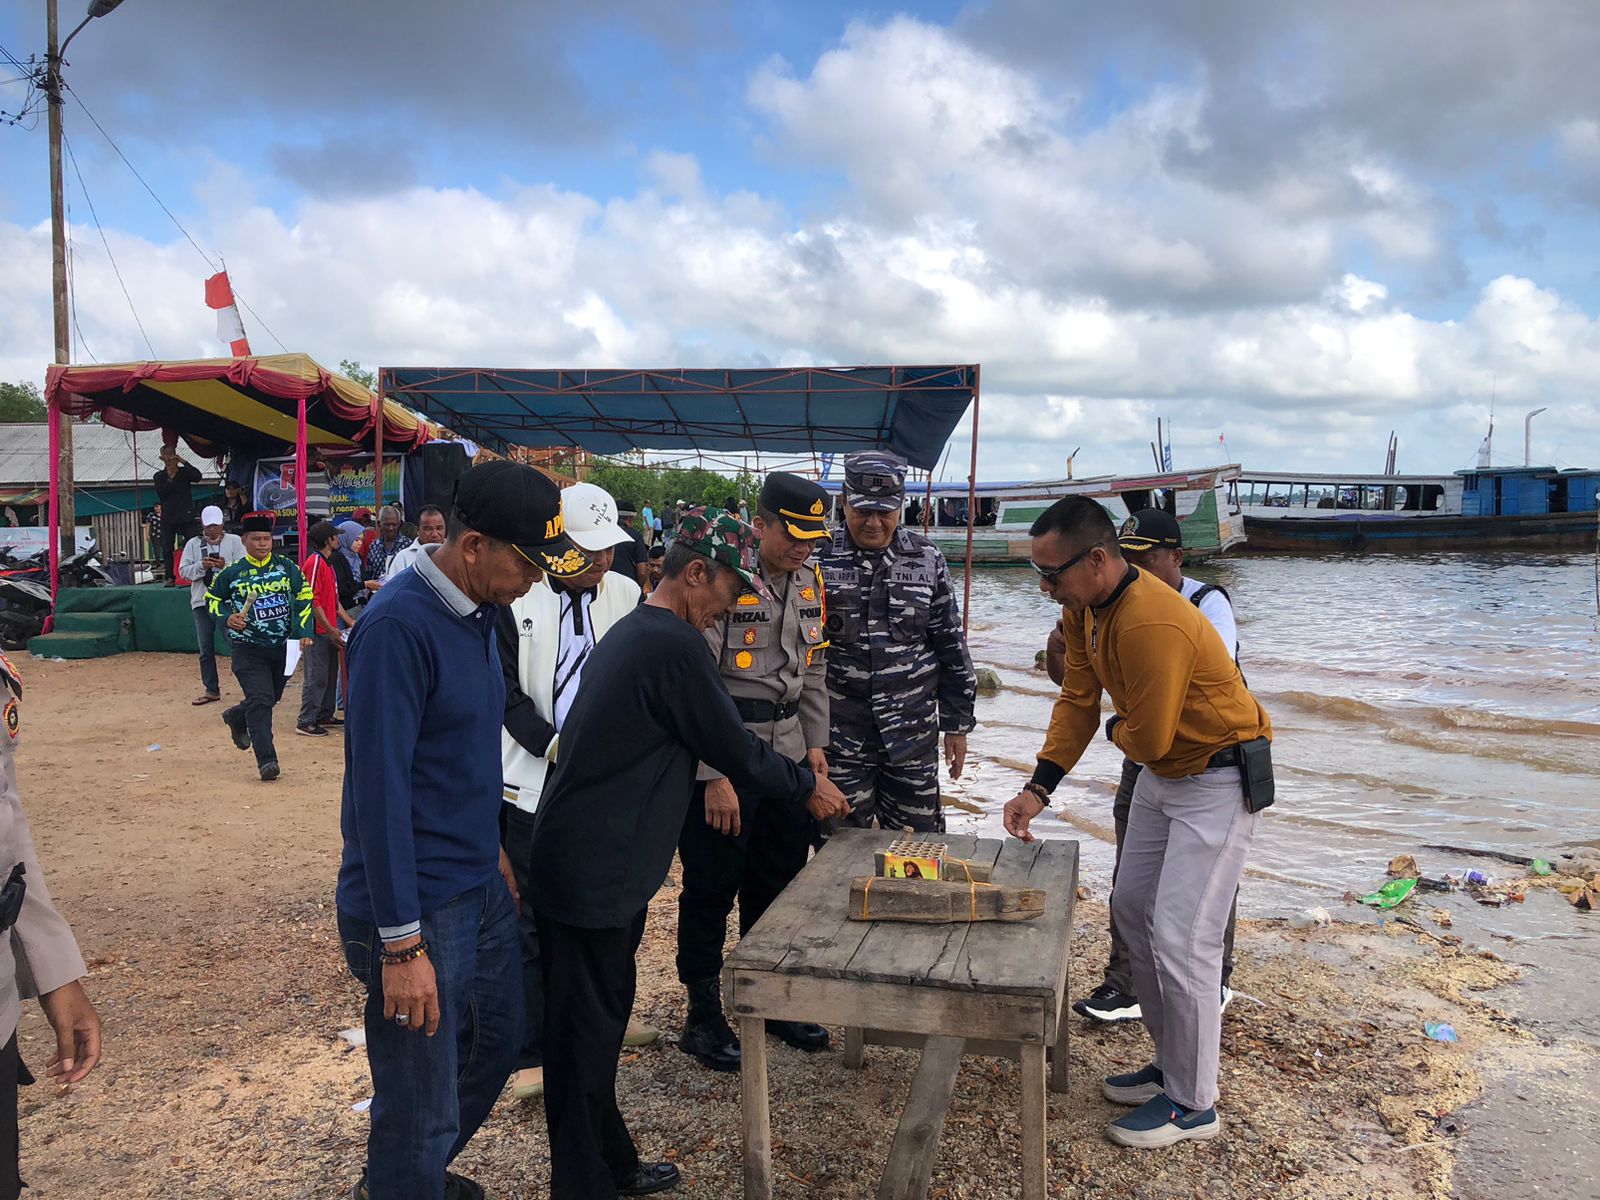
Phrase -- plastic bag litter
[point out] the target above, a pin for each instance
(1440, 1031)
(356, 1037)
(1308, 918)
(1391, 894)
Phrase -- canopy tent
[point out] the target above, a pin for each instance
(788, 410)
(257, 404)
(910, 410)
(244, 403)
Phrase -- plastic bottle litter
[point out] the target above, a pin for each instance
(1390, 894)
(1478, 879)
(1308, 918)
(1440, 1031)
(1435, 885)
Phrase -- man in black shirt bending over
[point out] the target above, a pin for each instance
(607, 827)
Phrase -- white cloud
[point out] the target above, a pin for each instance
(984, 220)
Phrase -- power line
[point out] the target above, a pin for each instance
(179, 224)
(115, 270)
(72, 278)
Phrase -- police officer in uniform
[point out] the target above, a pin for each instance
(898, 669)
(769, 651)
(38, 955)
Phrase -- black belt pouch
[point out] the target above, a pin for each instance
(1255, 772)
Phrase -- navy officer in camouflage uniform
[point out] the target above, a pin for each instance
(770, 653)
(898, 669)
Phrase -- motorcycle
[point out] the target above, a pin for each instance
(24, 606)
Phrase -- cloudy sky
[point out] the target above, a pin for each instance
(1295, 225)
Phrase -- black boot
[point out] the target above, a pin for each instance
(800, 1035)
(706, 1035)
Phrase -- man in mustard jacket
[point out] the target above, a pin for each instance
(1184, 713)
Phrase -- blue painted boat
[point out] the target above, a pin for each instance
(1540, 508)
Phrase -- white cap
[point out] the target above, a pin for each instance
(590, 515)
(210, 515)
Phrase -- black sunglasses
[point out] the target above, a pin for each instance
(1051, 574)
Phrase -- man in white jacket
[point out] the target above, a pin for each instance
(545, 639)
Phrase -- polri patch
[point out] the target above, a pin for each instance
(13, 719)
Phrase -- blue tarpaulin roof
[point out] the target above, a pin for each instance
(781, 410)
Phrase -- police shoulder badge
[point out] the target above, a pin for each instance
(13, 719)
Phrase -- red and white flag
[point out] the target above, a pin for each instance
(230, 329)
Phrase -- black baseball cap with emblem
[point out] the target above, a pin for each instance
(1150, 529)
(801, 504)
(516, 504)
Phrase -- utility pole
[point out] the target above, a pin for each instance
(66, 510)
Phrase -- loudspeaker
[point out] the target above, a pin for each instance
(442, 464)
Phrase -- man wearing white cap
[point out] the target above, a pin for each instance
(203, 557)
(545, 639)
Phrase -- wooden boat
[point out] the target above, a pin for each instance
(1486, 508)
(1203, 500)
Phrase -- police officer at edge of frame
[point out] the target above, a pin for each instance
(898, 668)
(769, 651)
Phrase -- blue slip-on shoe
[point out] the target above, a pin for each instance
(1161, 1122)
(1135, 1088)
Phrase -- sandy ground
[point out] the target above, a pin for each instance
(203, 902)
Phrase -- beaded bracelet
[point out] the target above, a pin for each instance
(393, 958)
(1036, 790)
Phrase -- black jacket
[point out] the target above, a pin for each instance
(651, 706)
(177, 494)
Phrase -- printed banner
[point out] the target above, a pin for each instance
(352, 486)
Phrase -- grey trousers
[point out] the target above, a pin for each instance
(1118, 973)
(319, 682)
(1181, 864)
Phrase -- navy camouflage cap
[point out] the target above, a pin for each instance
(874, 481)
(724, 539)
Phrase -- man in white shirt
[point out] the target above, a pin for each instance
(203, 557)
(430, 532)
(1151, 540)
(545, 640)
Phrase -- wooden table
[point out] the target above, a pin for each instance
(987, 988)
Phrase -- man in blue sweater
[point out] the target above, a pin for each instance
(426, 899)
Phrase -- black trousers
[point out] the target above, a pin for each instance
(259, 670)
(516, 835)
(12, 1076)
(589, 982)
(171, 535)
(1119, 974)
(753, 867)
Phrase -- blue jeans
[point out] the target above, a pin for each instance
(430, 1094)
(205, 632)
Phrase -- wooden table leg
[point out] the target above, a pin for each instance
(1059, 1052)
(1033, 1121)
(916, 1140)
(753, 1097)
(855, 1046)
